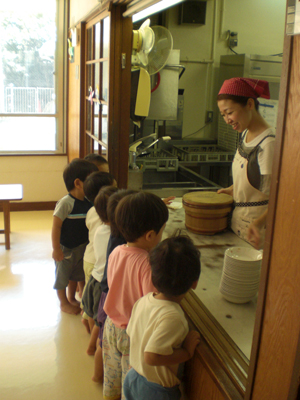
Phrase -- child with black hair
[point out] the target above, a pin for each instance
(100, 162)
(141, 219)
(91, 186)
(92, 293)
(70, 235)
(159, 336)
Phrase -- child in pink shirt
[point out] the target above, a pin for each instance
(141, 219)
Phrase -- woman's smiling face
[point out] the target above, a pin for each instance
(235, 114)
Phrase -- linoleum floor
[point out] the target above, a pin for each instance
(42, 350)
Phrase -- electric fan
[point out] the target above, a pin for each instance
(151, 49)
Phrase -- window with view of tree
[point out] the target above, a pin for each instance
(31, 111)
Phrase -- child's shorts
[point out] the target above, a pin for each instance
(101, 317)
(70, 268)
(91, 298)
(137, 387)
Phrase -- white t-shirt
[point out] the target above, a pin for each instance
(92, 222)
(100, 249)
(156, 326)
(265, 156)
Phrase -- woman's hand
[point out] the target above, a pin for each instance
(228, 190)
(253, 235)
(168, 200)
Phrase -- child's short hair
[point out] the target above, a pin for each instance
(77, 169)
(96, 159)
(111, 208)
(101, 201)
(94, 182)
(175, 265)
(139, 213)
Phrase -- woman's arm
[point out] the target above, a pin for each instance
(253, 235)
(228, 190)
(178, 356)
(168, 200)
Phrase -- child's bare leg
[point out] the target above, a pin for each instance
(91, 323)
(91, 350)
(85, 322)
(65, 305)
(72, 292)
(80, 287)
(98, 368)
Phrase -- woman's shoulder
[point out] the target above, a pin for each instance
(269, 132)
(267, 136)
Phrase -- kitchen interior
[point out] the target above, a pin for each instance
(184, 145)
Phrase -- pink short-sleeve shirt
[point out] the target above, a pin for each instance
(129, 279)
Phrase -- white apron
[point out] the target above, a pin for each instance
(249, 202)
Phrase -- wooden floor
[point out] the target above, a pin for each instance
(42, 351)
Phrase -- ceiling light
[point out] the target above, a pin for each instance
(152, 9)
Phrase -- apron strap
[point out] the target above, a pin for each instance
(242, 152)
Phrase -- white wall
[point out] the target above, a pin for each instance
(195, 44)
(41, 176)
(260, 27)
(80, 8)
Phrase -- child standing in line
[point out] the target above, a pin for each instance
(100, 162)
(141, 219)
(93, 183)
(92, 293)
(115, 239)
(70, 235)
(158, 331)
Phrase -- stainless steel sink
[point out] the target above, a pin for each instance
(169, 183)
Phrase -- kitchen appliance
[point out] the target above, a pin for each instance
(253, 66)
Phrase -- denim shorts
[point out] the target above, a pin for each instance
(137, 387)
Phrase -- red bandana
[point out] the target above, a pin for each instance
(246, 87)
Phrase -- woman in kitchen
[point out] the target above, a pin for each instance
(252, 164)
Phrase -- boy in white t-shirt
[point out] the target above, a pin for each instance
(92, 186)
(159, 335)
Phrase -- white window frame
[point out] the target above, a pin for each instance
(60, 72)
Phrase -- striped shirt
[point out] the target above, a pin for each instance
(73, 213)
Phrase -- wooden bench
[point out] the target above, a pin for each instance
(9, 193)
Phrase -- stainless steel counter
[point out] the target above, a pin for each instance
(236, 319)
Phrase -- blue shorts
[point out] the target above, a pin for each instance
(70, 268)
(137, 387)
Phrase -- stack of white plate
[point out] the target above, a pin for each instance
(241, 274)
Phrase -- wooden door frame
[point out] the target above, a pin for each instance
(119, 101)
(119, 93)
